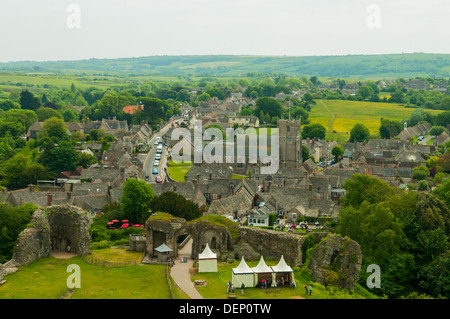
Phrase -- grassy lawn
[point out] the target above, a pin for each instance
(178, 171)
(216, 287)
(117, 255)
(46, 279)
(341, 116)
(237, 176)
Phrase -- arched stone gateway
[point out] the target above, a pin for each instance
(165, 229)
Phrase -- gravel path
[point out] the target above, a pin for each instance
(180, 272)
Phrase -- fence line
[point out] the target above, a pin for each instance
(167, 271)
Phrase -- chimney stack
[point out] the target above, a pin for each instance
(49, 199)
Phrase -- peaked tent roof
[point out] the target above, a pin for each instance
(262, 267)
(163, 248)
(282, 266)
(243, 268)
(207, 254)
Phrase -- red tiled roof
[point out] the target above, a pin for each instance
(130, 109)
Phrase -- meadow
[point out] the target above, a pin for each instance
(341, 115)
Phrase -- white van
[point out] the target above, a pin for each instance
(159, 149)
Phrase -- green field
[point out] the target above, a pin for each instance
(178, 171)
(341, 115)
(39, 82)
(47, 279)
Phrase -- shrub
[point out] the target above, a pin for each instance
(100, 245)
(420, 173)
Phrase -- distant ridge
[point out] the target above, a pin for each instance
(355, 65)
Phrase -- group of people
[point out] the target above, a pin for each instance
(230, 288)
(308, 289)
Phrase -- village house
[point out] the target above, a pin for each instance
(246, 121)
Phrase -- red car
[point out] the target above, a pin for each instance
(158, 179)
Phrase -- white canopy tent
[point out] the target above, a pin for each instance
(263, 272)
(207, 261)
(243, 274)
(283, 270)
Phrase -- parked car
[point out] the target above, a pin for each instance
(146, 178)
(158, 179)
(158, 156)
(155, 171)
(156, 163)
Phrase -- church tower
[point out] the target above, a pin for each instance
(290, 143)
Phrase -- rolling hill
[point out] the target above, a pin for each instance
(348, 66)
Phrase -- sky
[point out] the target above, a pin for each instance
(47, 30)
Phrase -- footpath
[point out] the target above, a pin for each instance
(180, 272)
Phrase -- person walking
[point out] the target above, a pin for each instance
(242, 288)
(306, 289)
(228, 287)
(310, 289)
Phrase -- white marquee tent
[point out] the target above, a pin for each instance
(263, 272)
(283, 270)
(243, 274)
(207, 261)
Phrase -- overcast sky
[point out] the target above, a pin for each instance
(43, 30)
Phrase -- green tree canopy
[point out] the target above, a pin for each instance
(176, 205)
(135, 199)
(268, 105)
(437, 130)
(390, 128)
(13, 220)
(359, 132)
(71, 115)
(337, 151)
(45, 113)
(314, 130)
(28, 101)
(59, 159)
(54, 128)
(362, 188)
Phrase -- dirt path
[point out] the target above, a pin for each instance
(62, 254)
(332, 116)
(180, 272)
